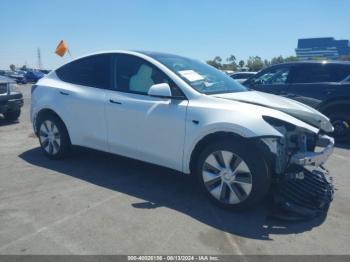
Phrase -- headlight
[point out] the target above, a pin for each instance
(275, 122)
(326, 126)
(13, 87)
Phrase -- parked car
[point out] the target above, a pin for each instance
(321, 85)
(11, 100)
(44, 71)
(241, 77)
(19, 77)
(185, 115)
(33, 76)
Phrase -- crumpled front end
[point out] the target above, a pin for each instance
(302, 187)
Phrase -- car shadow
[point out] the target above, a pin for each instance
(161, 187)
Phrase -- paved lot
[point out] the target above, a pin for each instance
(96, 203)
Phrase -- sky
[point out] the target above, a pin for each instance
(199, 29)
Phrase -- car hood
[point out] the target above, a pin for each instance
(288, 106)
(16, 76)
(4, 79)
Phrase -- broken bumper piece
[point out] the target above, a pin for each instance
(315, 158)
(303, 194)
(306, 189)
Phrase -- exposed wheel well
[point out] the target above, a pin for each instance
(208, 139)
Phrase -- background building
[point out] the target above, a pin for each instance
(324, 47)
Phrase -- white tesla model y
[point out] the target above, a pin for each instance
(180, 113)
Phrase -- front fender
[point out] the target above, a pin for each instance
(35, 112)
(241, 119)
(192, 140)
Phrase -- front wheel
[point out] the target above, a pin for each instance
(53, 136)
(232, 174)
(341, 124)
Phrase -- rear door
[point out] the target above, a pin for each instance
(82, 95)
(311, 83)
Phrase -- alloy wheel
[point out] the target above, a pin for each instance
(50, 138)
(227, 177)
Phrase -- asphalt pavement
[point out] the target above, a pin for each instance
(97, 203)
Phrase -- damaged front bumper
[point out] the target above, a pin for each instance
(302, 193)
(315, 158)
(302, 187)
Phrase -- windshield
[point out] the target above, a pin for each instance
(202, 77)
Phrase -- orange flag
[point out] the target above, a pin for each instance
(61, 49)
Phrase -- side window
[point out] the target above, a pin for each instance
(339, 72)
(236, 76)
(276, 76)
(316, 73)
(93, 71)
(136, 75)
(241, 76)
(310, 73)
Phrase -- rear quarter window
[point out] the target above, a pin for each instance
(92, 71)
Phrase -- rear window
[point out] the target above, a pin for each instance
(93, 71)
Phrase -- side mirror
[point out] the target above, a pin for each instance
(160, 90)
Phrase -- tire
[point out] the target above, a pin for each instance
(12, 115)
(53, 136)
(341, 123)
(236, 193)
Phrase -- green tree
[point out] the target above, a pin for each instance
(345, 58)
(255, 63)
(241, 63)
(267, 63)
(277, 60)
(291, 59)
(12, 67)
(216, 62)
(231, 65)
(231, 59)
(218, 59)
(318, 58)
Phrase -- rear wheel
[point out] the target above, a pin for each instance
(12, 115)
(341, 124)
(232, 174)
(53, 136)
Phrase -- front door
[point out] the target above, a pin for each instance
(140, 126)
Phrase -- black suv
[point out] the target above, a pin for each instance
(11, 101)
(322, 85)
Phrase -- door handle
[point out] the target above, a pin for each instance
(114, 102)
(64, 93)
(281, 93)
(329, 91)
